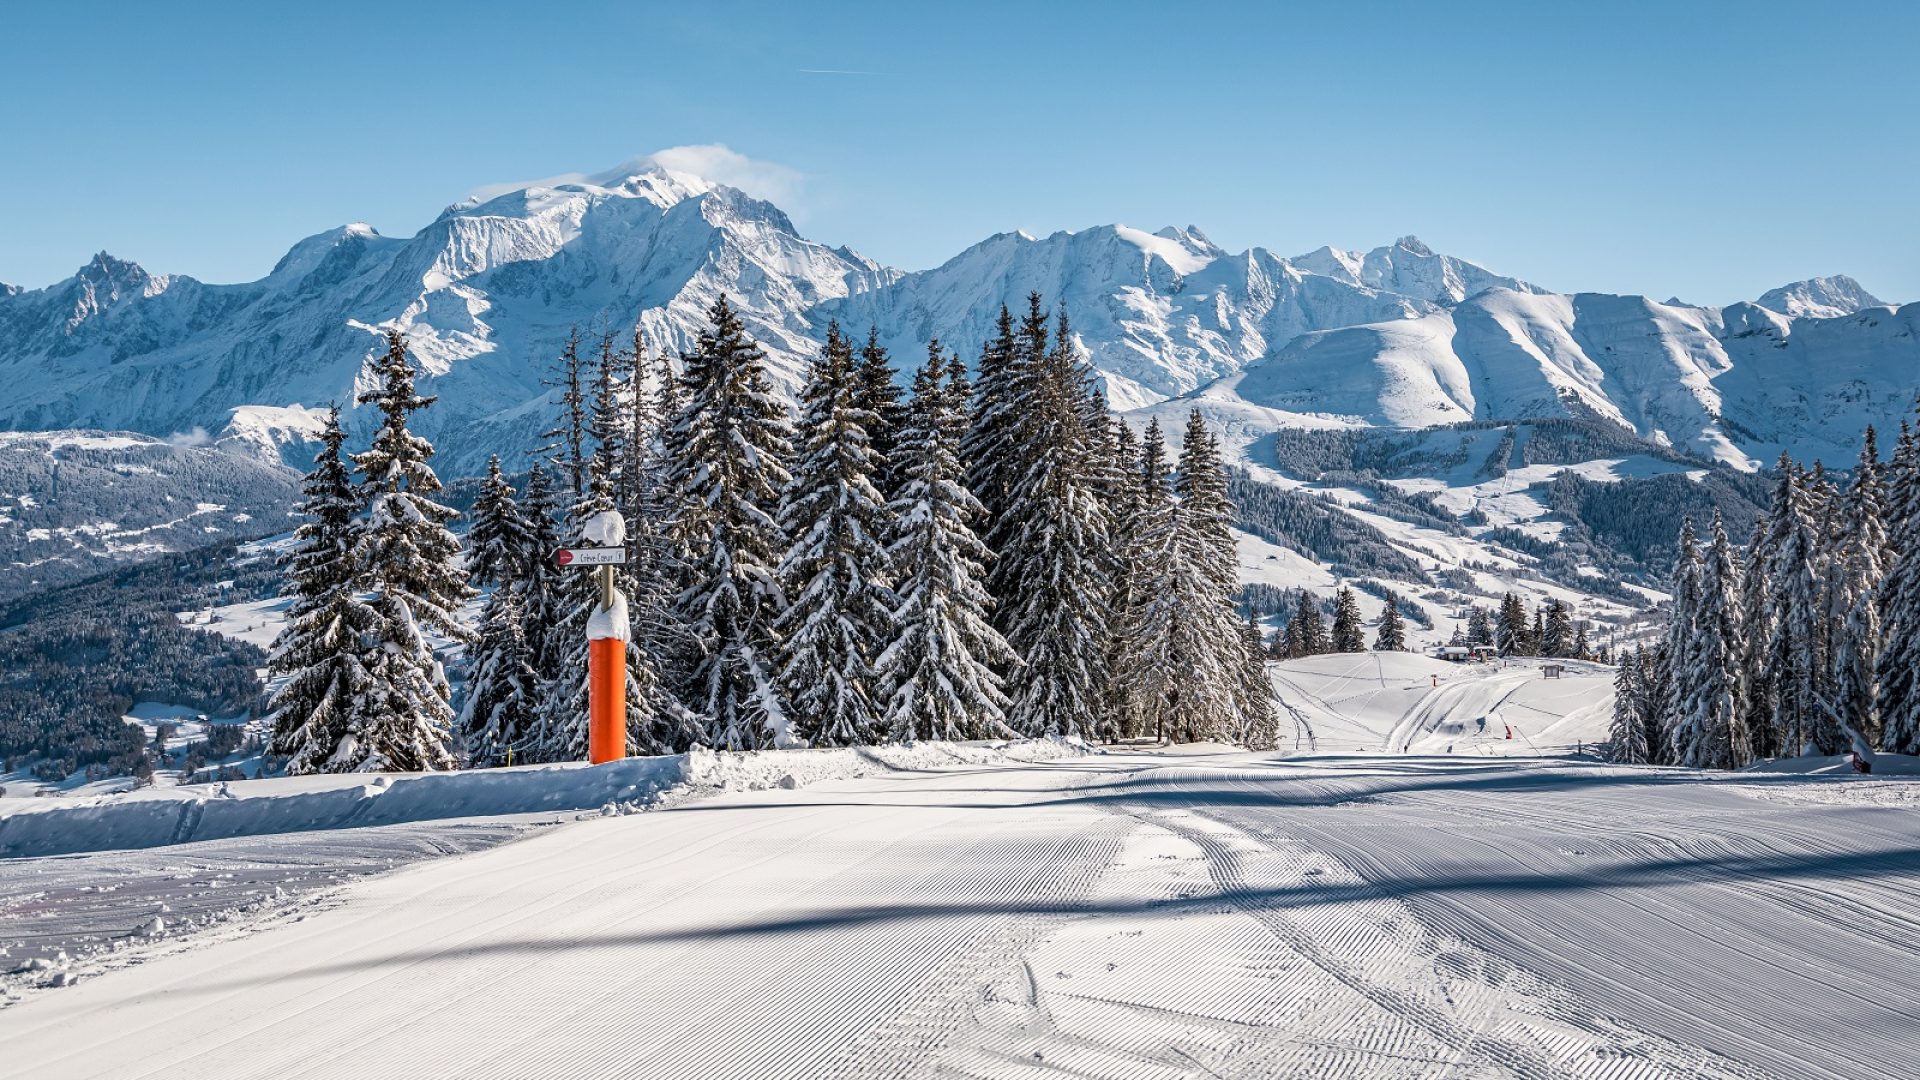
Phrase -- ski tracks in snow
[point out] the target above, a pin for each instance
(1141, 916)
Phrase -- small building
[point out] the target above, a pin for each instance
(1552, 671)
(1459, 654)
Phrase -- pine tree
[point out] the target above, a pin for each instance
(1179, 689)
(879, 397)
(1346, 623)
(1676, 648)
(1557, 631)
(543, 603)
(502, 690)
(1898, 666)
(321, 651)
(728, 448)
(1051, 572)
(1479, 627)
(1202, 487)
(1856, 567)
(938, 670)
(569, 454)
(1709, 732)
(1627, 736)
(1793, 599)
(1307, 629)
(1657, 700)
(1511, 629)
(1392, 636)
(1206, 515)
(1756, 620)
(500, 539)
(1126, 504)
(988, 450)
(410, 562)
(836, 569)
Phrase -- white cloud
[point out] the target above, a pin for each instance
(197, 437)
(714, 162)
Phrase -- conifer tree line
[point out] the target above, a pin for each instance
(1550, 630)
(1804, 641)
(992, 555)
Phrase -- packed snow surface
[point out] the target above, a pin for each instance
(1129, 914)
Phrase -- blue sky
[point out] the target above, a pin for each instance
(1706, 150)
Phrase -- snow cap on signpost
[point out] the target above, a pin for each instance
(605, 529)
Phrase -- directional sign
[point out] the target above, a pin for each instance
(604, 556)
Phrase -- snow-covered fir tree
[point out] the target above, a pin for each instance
(1510, 628)
(1347, 636)
(1793, 597)
(1392, 636)
(1206, 516)
(500, 540)
(1180, 689)
(1656, 699)
(568, 451)
(1898, 666)
(1627, 734)
(1479, 627)
(1051, 574)
(938, 671)
(728, 449)
(1708, 730)
(1677, 643)
(879, 396)
(1306, 632)
(1756, 623)
(501, 692)
(1557, 630)
(321, 652)
(543, 603)
(410, 564)
(1856, 566)
(503, 696)
(1000, 380)
(836, 570)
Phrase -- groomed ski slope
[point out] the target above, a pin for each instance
(1407, 703)
(1119, 915)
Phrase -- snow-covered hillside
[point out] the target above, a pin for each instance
(72, 502)
(1399, 335)
(1737, 385)
(485, 293)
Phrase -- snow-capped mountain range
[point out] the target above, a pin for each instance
(1399, 336)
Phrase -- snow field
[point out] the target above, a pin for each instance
(1376, 702)
(1135, 914)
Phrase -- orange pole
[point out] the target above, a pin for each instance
(606, 700)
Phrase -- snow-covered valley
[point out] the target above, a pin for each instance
(1133, 913)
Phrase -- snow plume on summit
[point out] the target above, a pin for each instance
(706, 165)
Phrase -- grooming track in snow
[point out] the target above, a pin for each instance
(1145, 915)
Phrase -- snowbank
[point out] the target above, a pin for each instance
(153, 817)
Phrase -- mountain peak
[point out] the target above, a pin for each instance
(104, 269)
(1412, 245)
(1820, 298)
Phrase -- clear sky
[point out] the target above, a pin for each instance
(1706, 150)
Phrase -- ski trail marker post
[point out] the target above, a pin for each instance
(608, 632)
